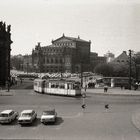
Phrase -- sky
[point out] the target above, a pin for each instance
(111, 25)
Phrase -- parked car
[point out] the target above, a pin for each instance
(48, 116)
(7, 116)
(27, 117)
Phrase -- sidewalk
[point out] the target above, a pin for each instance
(113, 91)
(136, 119)
(6, 93)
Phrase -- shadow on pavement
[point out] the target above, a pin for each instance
(59, 120)
(34, 124)
(12, 123)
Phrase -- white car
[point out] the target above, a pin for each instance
(49, 116)
(27, 117)
(7, 116)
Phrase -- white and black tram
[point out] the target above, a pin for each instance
(57, 87)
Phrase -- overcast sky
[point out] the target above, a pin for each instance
(111, 25)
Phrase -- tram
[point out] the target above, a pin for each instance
(57, 87)
(39, 85)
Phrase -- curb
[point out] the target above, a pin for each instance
(5, 94)
(136, 120)
(112, 94)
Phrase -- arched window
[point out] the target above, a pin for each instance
(61, 60)
(56, 60)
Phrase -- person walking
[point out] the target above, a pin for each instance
(105, 88)
(8, 84)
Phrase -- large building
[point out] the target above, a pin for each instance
(5, 49)
(65, 54)
(95, 60)
(109, 57)
(123, 58)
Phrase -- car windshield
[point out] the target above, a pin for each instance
(3, 115)
(51, 112)
(27, 114)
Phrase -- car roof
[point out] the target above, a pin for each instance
(27, 111)
(6, 111)
(48, 110)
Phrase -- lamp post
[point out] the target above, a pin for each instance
(27, 67)
(130, 70)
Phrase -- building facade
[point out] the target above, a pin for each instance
(65, 54)
(109, 57)
(122, 59)
(27, 63)
(95, 60)
(5, 49)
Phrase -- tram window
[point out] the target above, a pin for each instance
(47, 85)
(39, 84)
(75, 86)
(52, 85)
(57, 85)
(69, 86)
(35, 84)
(62, 86)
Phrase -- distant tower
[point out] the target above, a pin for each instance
(110, 56)
(5, 49)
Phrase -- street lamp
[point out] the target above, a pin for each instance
(27, 67)
(130, 70)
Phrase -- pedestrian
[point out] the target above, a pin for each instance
(85, 88)
(106, 106)
(105, 88)
(136, 86)
(20, 80)
(8, 85)
(121, 86)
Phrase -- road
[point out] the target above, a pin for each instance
(94, 123)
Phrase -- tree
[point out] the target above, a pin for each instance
(136, 65)
(16, 62)
(104, 69)
(114, 70)
(121, 70)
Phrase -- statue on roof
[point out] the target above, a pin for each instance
(8, 28)
(4, 26)
(1, 24)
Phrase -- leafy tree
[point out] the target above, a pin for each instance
(136, 65)
(121, 70)
(104, 69)
(16, 62)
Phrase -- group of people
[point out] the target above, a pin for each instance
(135, 86)
(11, 81)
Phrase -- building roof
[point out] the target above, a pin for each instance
(123, 57)
(71, 38)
